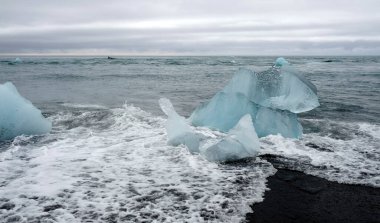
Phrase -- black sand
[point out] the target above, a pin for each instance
(298, 197)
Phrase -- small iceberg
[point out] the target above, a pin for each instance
(18, 60)
(18, 116)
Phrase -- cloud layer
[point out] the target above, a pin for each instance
(197, 27)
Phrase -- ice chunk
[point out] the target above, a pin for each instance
(177, 128)
(241, 142)
(18, 60)
(18, 116)
(280, 62)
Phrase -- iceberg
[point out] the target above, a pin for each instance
(18, 60)
(250, 106)
(272, 98)
(240, 142)
(178, 130)
(18, 116)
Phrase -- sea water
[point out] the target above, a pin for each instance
(106, 157)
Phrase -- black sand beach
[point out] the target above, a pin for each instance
(298, 197)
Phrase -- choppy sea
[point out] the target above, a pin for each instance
(106, 158)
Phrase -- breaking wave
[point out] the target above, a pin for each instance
(114, 164)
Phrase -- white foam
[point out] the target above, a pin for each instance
(124, 172)
(73, 105)
(352, 156)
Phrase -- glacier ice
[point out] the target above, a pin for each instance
(178, 130)
(240, 142)
(18, 116)
(272, 98)
(251, 105)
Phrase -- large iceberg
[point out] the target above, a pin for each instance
(18, 116)
(252, 105)
(272, 98)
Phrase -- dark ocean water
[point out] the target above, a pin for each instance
(107, 158)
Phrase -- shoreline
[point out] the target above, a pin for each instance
(298, 197)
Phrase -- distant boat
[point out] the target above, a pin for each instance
(110, 58)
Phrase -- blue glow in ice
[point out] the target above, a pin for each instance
(18, 116)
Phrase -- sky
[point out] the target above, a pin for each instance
(190, 27)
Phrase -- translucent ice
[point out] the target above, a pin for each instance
(271, 98)
(223, 111)
(272, 122)
(18, 116)
(241, 142)
(280, 62)
(177, 128)
(292, 91)
(18, 60)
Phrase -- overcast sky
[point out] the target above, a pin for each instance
(193, 27)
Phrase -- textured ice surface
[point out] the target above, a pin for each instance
(18, 116)
(270, 97)
(104, 165)
(293, 93)
(241, 142)
(178, 130)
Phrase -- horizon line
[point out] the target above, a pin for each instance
(180, 55)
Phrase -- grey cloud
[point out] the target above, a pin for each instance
(190, 27)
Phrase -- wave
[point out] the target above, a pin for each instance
(119, 158)
(156, 61)
(126, 166)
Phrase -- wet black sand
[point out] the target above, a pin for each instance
(298, 197)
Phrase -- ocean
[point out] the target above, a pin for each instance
(107, 159)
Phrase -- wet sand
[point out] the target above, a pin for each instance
(298, 197)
